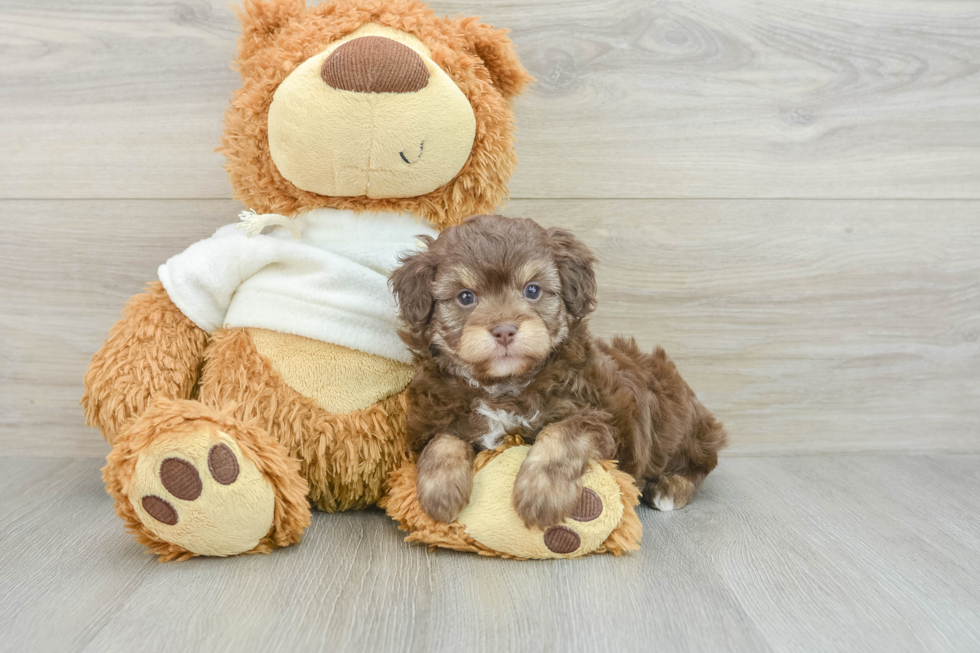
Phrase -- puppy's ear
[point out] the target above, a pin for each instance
(575, 269)
(496, 50)
(411, 282)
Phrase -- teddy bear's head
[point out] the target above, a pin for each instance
(371, 105)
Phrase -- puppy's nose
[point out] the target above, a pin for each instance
(375, 64)
(504, 333)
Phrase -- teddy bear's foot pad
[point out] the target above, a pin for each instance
(491, 520)
(603, 521)
(563, 540)
(199, 492)
(181, 479)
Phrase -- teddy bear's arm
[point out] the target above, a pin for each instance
(154, 350)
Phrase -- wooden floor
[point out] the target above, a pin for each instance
(810, 553)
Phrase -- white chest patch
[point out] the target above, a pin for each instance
(499, 422)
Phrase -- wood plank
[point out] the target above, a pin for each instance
(71, 266)
(852, 553)
(123, 99)
(806, 326)
(66, 563)
(838, 553)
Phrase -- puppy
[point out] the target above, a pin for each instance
(494, 312)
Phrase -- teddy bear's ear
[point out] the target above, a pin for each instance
(262, 20)
(497, 51)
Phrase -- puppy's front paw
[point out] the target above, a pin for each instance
(445, 478)
(444, 499)
(543, 496)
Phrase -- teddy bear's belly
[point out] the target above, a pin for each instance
(339, 379)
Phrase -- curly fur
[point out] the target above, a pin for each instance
(278, 37)
(584, 399)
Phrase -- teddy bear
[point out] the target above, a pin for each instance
(262, 371)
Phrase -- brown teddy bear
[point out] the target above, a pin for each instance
(262, 371)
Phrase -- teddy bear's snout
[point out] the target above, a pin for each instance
(375, 64)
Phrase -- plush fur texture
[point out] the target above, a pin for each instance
(278, 37)
(379, 144)
(402, 504)
(345, 457)
(312, 367)
(153, 351)
(167, 418)
(578, 398)
(341, 461)
(159, 371)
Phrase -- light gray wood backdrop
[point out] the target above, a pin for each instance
(856, 554)
(784, 194)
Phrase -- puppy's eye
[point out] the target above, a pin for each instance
(532, 291)
(466, 298)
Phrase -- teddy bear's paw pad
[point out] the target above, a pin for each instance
(181, 479)
(589, 506)
(491, 520)
(223, 464)
(562, 540)
(160, 510)
(200, 492)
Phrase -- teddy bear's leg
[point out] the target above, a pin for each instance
(605, 504)
(292, 387)
(604, 520)
(189, 480)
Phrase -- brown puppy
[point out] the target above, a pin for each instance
(494, 312)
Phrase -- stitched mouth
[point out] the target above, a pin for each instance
(405, 158)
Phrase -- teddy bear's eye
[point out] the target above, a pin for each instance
(532, 291)
(466, 298)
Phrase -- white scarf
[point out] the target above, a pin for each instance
(324, 276)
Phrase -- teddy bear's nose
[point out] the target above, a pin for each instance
(375, 64)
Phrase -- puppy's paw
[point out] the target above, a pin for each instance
(545, 496)
(670, 492)
(445, 478)
(444, 493)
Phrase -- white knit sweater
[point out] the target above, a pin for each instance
(329, 284)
